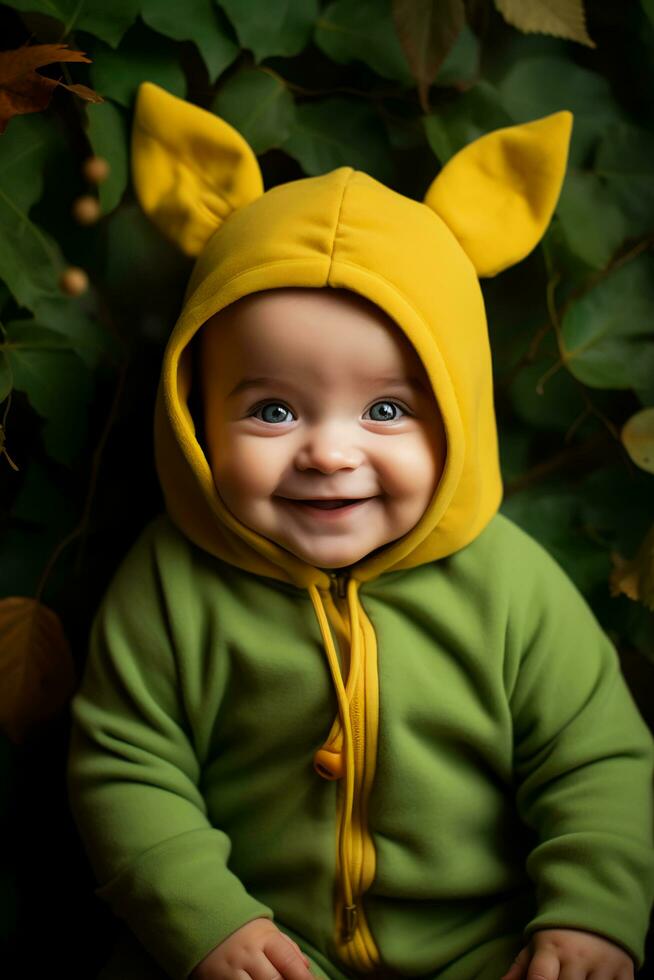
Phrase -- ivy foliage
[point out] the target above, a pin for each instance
(391, 88)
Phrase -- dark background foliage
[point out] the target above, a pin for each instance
(572, 326)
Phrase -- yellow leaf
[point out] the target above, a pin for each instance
(560, 18)
(37, 673)
(635, 578)
(638, 438)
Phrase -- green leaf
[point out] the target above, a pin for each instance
(194, 20)
(551, 514)
(462, 63)
(560, 18)
(6, 380)
(339, 132)
(269, 29)
(109, 135)
(30, 265)
(256, 102)
(58, 386)
(599, 209)
(457, 123)
(144, 274)
(30, 335)
(648, 7)
(536, 87)
(625, 161)
(555, 404)
(24, 148)
(108, 21)
(608, 334)
(30, 259)
(74, 319)
(365, 32)
(143, 56)
(593, 224)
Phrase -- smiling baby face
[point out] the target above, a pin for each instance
(316, 394)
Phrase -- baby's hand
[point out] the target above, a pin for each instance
(258, 950)
(570, 953)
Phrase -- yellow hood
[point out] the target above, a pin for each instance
(200, 182)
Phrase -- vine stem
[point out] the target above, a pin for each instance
(575, 454)
(82, 526)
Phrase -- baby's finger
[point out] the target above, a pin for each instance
(295, 945)
(545, 965)
(285, 957)
(518, 968)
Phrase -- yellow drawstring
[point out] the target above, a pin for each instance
(328, 760)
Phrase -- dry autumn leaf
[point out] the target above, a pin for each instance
(23, 90)
(36, 667)
(637, 437)
(635, 578)
(560, 18)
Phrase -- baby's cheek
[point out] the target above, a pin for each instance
(412, 467)
(247, 467)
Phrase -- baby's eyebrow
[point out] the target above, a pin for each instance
(248, 383)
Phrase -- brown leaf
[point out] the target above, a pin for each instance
(84, 92)
(635, 578)
(427, 30)
(37, 674)
(23, 90)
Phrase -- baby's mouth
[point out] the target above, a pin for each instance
(328, 504)
(309, 506)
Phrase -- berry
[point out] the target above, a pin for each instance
(86, 210)
(96, 169)
(73, 281)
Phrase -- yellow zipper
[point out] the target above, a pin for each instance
(355, 944)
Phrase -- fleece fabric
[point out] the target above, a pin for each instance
(410, 765)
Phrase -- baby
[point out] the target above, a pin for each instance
(341, 717)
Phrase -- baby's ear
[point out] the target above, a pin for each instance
(190, 168)
(497, 195)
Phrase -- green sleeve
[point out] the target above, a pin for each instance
(583, 763)
(132, 777)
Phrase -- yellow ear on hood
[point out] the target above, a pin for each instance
(497, 194)
(190, 168)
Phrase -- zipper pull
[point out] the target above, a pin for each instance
(349, 922)
(339, 583)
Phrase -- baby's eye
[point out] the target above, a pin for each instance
(387, 406)
(275, 409)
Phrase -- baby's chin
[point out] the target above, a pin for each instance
(321, 559)
(336, 564)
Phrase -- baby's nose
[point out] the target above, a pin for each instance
(328, 448)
